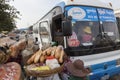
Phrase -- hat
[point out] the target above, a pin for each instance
(77, 68)
(87, 30)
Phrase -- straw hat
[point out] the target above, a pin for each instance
(77, 68)
(87, 30)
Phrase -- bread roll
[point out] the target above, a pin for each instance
(17, 47)
(57, 52)
(61, 56)
(42, 59)
(14, 49)
(53, 51)
(31, 60)
(22, 44)
(49, 50)
(46, 51)
(37, 56)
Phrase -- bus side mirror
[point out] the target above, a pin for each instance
(67, 28)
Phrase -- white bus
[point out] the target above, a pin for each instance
(66, 25)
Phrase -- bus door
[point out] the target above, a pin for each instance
(44, 31)
(57, 30)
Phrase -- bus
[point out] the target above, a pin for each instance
(88, 30)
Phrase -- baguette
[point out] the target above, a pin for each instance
(37, 56)
(49, 50)
(57, 52)
(61, 56)
(42, 59)
(14, 50)
(45, 51)
(31, 59)
(53, 51)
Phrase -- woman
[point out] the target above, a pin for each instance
(86, 37)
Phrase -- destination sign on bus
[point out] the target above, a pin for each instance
(81, 13)
(106, 15)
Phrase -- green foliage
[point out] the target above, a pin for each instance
(8, 14)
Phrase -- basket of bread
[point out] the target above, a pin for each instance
(17, 47)
(44, 63)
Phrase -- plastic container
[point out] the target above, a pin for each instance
(52, 62)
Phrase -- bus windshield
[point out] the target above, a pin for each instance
(110, 28)
(83, 33)
(108, 21)
(86, 25)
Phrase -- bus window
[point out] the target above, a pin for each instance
(58, 31)
(110, 28)
(58, 27)
(35, 30)
(44, 33)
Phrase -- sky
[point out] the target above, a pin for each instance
(32, 10)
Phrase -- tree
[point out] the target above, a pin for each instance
(8, 14)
